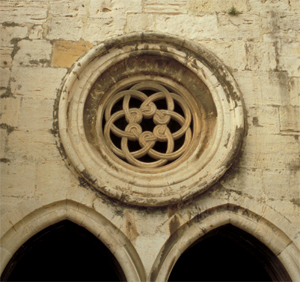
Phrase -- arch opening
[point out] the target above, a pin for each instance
(63, 252)
(232, 254)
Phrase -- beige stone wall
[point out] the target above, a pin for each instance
(41, 39)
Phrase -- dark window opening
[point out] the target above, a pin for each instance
(63, 252)
(228, 254)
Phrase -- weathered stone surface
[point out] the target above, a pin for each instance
(65, 28)
(7, 33)
(23, 11)
(25, 83)
(33, 53)
(99, 29)
(36, 114)
(18, 179)
(215, 6)
(103, 8)
(5, 57)
(168, 6)
(140, 22)
(40, 146)
(227, 52)
(294, 91)
(263, 120)
(67, 8)
(244, 27)
(9, 111)
(4, 77)
(261, 56)
(36, 32)
(3, 136)
(65, 53)
(270, 88)
(289, 58)
(195, 26)
(269, 5)
(290, 118)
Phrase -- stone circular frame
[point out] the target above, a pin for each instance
(200, 79)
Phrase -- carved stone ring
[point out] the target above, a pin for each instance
(150, 119)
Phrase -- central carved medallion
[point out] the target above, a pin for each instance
(147, 125)
(150, 119)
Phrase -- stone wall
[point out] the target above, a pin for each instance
(260, 45)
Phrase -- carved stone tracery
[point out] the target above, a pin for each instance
(148, 139)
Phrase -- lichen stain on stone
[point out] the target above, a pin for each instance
(131, 229)
(296, 202)
(174, 224)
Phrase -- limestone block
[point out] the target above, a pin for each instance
(140, 22)
(5, 57)
(258, 6)
(103, 8)
(25, 83)
(269, 152)
(18, 179)
(213, 6)
(99, 29)
(259, 88)
(4, 77)
(68, 8)
(168, 6)
(65, 53)
(294, 91)
(65, 28)
(54, 176)
(232, 53)
(261, 56)
(242, 180)
(9, 203)
(3, 136)
(32, 146)
(36, 32)
(290, 118)
(7, 33)
(9, 111)
(244, 26)
(195, 27)
(263, 120)
(289, 56)
(36, 114)
(281, 184)
(23, 11)
(33, 53)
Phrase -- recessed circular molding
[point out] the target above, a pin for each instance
(150, 119)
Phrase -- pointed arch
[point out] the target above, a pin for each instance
(98, 225)
(260, 228)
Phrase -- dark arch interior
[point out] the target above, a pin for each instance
(63, 252)
(228, 254)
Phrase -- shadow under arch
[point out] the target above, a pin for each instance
(63, 251)
(117, 243)
(188, 234)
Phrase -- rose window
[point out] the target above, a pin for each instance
(147, 125)
(149, 119)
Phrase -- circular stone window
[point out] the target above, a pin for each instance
(150, 119)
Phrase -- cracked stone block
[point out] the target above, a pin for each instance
(5, 57)
(33, 53)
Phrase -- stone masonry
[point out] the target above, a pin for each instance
(40, 40)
